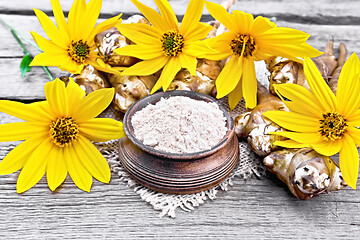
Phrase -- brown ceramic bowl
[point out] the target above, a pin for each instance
(154, 98)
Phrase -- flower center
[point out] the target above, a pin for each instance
(332, 126)
(243, 45)
(79, 51)
(172, 43)
(63, 131)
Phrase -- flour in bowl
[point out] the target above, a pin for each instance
(180, 125)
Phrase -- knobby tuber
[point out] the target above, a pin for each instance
(256, 128)
(283, 70)
(305, 172)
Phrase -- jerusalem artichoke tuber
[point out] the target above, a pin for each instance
(256, 128)
(305, 172)
(283, 70)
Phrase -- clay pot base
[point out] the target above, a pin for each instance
(178, 176)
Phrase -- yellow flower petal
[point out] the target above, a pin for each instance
(218, 12)
(197, 49)
(294, 121)
(56, 170)
(92, 160)
(75, 23)
(235, 95)
(34, 168)
(57, 97)
(50, 59)
(75, 95)
(283, 35)
(328, 148)
(141, 51)
(59, 15)
(321, 90)
(109, 23)
(301, 137)
(229, 77)
(17, 158)
(141, 33)
(354, 133)
(93, 104)
(104, 67)
(20, 131)
(23, 111)
(188, 62)
(299, 96)
(169, 72)
(58, 36)
(146, 67)
(221, 44)
(168, 14)
(151, 15)
(245, 19)
(249, 83)
(290, 144)
(347, 93)
(192, 17)
(47, 45)
(102, 129)
(349, 162)
(92, 12)
(290, 51)
(261, 24)
(199, 32)
(78, 173)
(354, 118)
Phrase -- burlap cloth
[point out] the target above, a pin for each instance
(249, 165)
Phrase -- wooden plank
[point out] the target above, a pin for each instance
(253, 209)
(321, 10)
(13, 86)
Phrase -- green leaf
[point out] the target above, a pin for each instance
(24, 65)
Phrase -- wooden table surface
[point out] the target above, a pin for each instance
(252, 209)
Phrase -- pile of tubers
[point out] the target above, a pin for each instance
(305, 172)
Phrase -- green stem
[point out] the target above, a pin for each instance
(20, 35)
(16, 35)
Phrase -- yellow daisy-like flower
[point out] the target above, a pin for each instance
(321, 120)
(57, 134)
(72, 44)
(165, 44)
(250, 40)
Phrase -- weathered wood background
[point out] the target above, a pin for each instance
(253, 209)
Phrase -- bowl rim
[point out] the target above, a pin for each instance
(140, 104)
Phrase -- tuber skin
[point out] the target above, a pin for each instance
(111, 39)
(256, 128)
(204, 82)
(283, 70)
(129, 89)
(91, 79)
(306, 172)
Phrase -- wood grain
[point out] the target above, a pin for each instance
(309, 9)
(253, 209)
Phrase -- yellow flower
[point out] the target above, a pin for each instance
(57, 134)
(165, 44)
(321, 120)
(250, 40)
(72, 44)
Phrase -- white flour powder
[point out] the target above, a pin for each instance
(180, 125)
